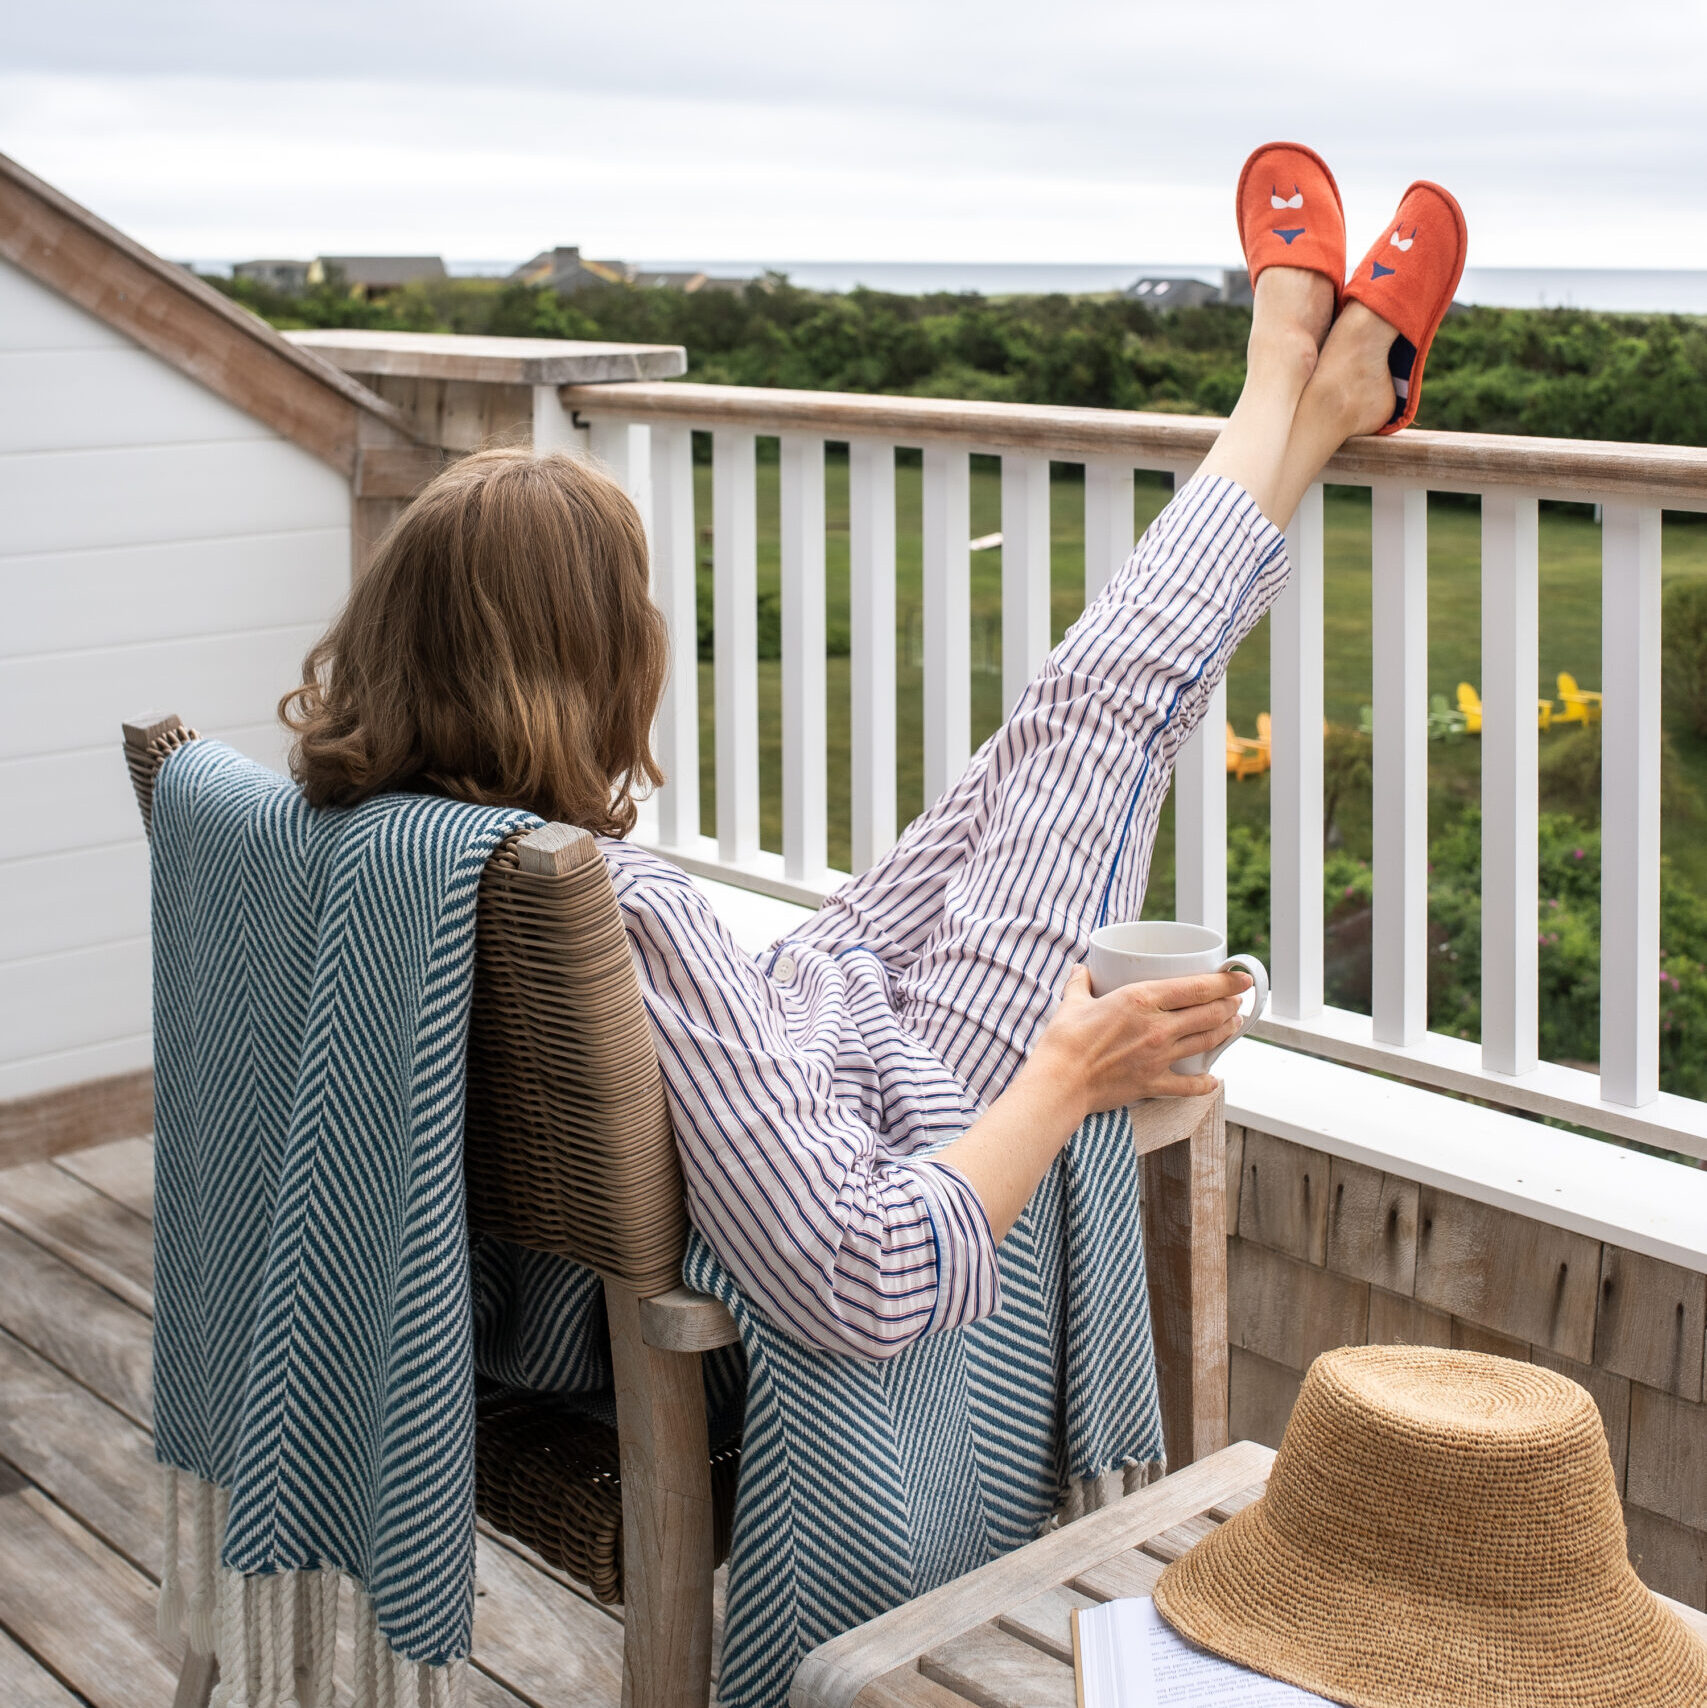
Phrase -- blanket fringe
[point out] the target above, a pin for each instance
(276, 1634)
(1091, 1494)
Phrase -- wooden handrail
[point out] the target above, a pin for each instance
(1671, 475)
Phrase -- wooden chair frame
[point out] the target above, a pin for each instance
(659, 1331)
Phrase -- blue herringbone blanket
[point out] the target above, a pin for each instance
(317, 1331)
(312, 1344)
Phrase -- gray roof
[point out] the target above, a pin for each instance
(385, 269)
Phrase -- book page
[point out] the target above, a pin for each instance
(1131, 1657)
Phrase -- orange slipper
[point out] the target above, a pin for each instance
(1289, 213)
(1408, 279)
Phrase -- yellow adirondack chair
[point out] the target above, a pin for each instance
(1265, 737)
(1470, 704)
(1245, 758)
(1580, 705)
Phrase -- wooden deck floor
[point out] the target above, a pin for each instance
(80, 1518)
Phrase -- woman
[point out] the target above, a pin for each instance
(864, 1110)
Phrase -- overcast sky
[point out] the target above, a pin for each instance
(1003, 130)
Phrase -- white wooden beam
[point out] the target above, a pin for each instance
(1630, 805)
(871, 597)
(676, 731)
(1510, 756)
(1200, 821)
(948, 615)
(1295, 777)
(1025, 571)
(735, 569)
(1399, 593)
(1109, 529)
(803, 685)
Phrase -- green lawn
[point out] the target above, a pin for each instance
(1570, 640)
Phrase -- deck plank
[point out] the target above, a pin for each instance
(123, 1170)
(75, 1402)
(84, 1228)
(108, 1653)
(90, 1458)
(25, 1683)
(81, 1327)
(537, 1638)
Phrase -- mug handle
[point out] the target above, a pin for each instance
(1259, 976)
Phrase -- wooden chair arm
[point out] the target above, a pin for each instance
(685, 1321)
(147, 741)
(1158, 1122)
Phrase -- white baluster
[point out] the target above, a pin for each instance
(1025, 571)
(1630, 805)
(803, 729)
(1399, 946)
(1510, 753)
(1200, 820)
(624, 449)
(554, 426)
(676, 731)
(871, 598)
(948, 615)
(1109, 532)
(1295, 778)
(735, 568)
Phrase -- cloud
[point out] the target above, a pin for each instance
(885, 130)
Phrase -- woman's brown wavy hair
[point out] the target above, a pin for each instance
(500, 649)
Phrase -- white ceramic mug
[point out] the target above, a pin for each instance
(1166, 949)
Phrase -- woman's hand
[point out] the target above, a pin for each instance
(1120, 1048)
(1096, 1053)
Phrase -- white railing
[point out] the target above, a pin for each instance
(1509, 475)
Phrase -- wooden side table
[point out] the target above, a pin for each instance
(1000, 1636)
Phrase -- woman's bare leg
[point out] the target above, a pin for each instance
(1301, 402)
(1350, 392)
(1292, 314)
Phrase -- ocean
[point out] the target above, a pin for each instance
(1629, 290)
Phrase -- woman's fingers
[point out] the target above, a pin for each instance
(1194, 1044)
(1197, 989)
(1207, 1017)
(1184, 1085)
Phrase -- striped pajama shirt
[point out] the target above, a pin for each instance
(809, 1085)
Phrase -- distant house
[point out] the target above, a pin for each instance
(1236, 287)
(1168, 294)
(565, 270)
(372, 275)
(288, 276)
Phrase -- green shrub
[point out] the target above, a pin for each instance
(1684, 648)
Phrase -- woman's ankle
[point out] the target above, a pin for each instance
(1293, 297)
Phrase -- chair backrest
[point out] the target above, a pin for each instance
(567, 1143)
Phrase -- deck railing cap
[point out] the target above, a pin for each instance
(1671, 475)
(492, 361)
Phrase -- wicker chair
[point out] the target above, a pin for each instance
(569, 1150)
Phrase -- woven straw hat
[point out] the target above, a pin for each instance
(1441, 1530)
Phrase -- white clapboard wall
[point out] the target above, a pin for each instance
(159, 550)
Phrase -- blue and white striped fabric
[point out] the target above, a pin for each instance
(811, 1087)
(865, 1482)
(312, 1345)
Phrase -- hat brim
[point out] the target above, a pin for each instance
(1369, 1641)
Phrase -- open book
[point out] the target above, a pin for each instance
(1126, 1655)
